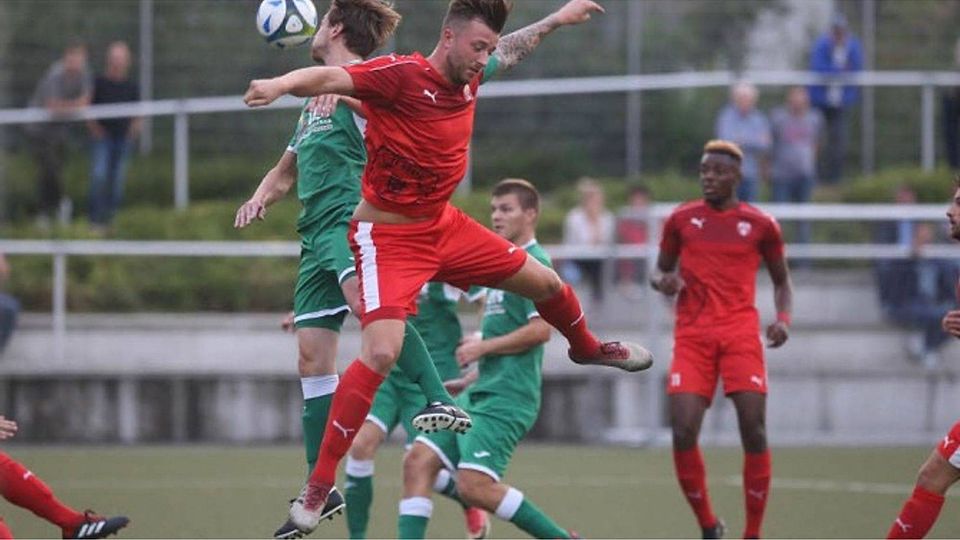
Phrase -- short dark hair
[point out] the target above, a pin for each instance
(367, 24)
(493, 13)
(640, 189)
(526, 192)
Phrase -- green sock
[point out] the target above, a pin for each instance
(534, 522)
(314, 418)
(446, 485)
(416, 364)
(358, 495)
(414, 516)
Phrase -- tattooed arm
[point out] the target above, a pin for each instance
(514, 47)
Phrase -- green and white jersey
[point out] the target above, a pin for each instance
(330, 160)
(515, 376)
(439, 326)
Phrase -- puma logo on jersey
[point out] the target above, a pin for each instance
(27, 475)
(947, 441)
(756, 380)
(431, 95)
(345, 431)
(674, 379)
(467, 93)
(512, 249)
(481, 454)
(903, 526)
(757, 494)
(698, 222)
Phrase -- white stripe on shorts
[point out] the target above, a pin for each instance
(368, 266)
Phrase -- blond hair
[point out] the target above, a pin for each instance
(720, 146)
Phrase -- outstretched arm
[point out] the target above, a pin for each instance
(515, 46)
(275, 184)
(306, 82)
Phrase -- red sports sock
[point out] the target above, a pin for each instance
(22, 488)
(918, 515)
(756, 489)
(5, 533)
(349, 409)
(564, 313)
(692, 474)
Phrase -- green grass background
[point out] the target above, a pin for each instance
(230, 492)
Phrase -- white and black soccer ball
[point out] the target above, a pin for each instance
(287, 23)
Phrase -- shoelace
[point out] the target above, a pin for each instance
(614, 348)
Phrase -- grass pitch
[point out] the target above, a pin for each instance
(233, 492)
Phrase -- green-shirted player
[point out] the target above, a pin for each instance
(504, 402)
(398, 399)
(325, 158)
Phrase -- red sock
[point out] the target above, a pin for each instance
(22, 488)
(692, 474)
(349, 409)
(5, 533)
(756, 490)
(918, 515)
(564, 313)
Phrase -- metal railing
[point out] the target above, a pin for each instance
(182, 109)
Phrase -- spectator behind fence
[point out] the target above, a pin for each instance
(917, 293)
(951, 117)
(796, 135)
(741, 122)
(835, 53)
(9, 306)
(112, 138)
(589, 224)
(65, 88)
(632, 229)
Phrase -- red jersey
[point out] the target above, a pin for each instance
(720, 254)
(418, 133)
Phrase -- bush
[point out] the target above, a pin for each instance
(226, 284)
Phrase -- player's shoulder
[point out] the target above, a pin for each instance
(689, 207)
(753, 213)
(395, 61)
(537, 252)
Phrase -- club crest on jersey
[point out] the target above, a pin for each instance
(467, 93)
(744, 228)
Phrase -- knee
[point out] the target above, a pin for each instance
(684, 436)
(473, 487)
(383, 356)
(754, 437)
(418, 467)
(313, 361)
(365, 445)
(932, 478)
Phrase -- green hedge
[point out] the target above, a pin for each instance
(226, 284)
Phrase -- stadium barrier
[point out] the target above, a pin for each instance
(634, 405)
(182, 109)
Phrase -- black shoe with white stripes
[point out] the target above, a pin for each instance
(437, 416)
(96, 526)
(333, 506)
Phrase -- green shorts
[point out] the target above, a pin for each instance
(498, 426)
(396, 402)
(325, 262)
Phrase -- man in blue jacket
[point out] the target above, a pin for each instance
(836, 52)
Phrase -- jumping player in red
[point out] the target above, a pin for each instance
(21, 487)
(720, 242)
(419, 114)
(942, 468)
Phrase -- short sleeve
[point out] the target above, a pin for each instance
(771, 245)
(670, 241)
(379, 79)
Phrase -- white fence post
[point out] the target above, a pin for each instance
(59, 305)
(181, 160)
(927, 125)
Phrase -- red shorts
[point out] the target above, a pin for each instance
(949, 447)
(395, 260)
(699, 361)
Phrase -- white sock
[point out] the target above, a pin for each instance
(359, 468)
(443, 481)
(416, 506)
(319, 386)
(510, 504)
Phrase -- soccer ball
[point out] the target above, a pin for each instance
(287, 23)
